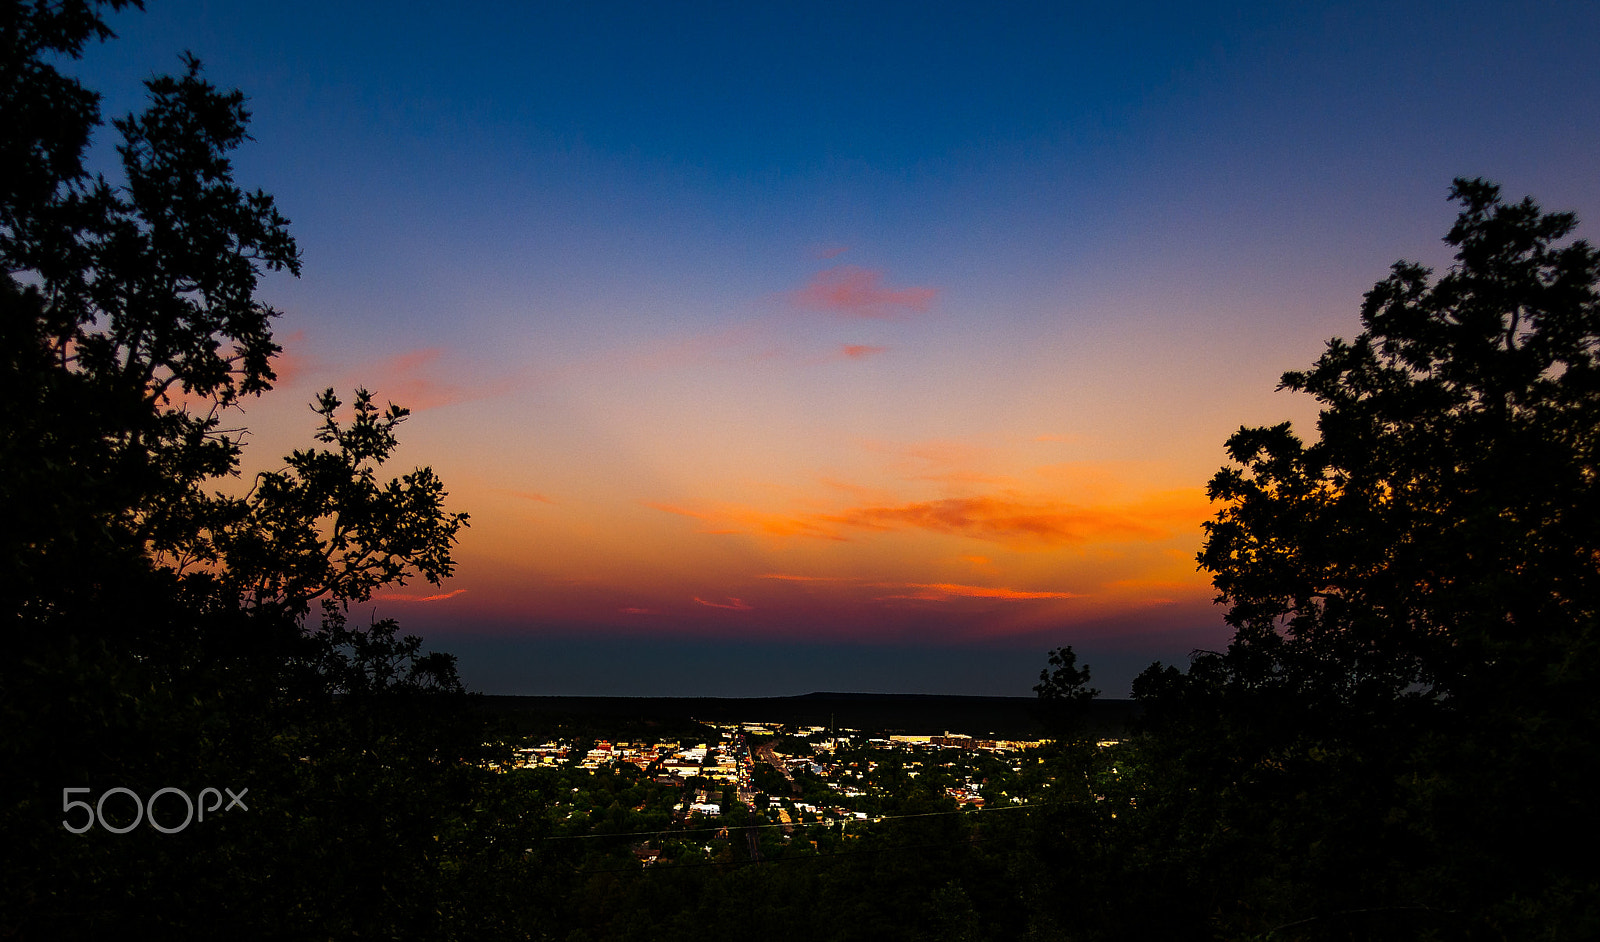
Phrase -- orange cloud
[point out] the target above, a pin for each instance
(857, 351)
(668, 508)
(1152, 592)
(1010, 520)
(420, 598)
(789, 578)
(529, 495)
(1004, 518)
(1171, 585)
(944, 591)
(734, 604)
(859, 292)
(940, 460)
(741, 520)
(941, 451)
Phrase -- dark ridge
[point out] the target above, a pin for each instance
(912, 714)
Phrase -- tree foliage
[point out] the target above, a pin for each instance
(1068, 682)
(1441, 534)
(1064, 692)
(130, 321)
(165, 633)
(325, 527)
(131, 332)
(1399, 742)
(1406, 708)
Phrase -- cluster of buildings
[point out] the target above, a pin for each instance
(728, 762)
(666, 759)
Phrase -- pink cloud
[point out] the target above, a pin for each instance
(424, 379)
(407, 379)
(940, 460)
(287, 365)
(290, 364)
(668, 508)
(829, 251)
(857, 351)
(732, 344)
(734, 604)
(637, 611)
(859, 292)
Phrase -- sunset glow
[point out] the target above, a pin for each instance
(846, 333)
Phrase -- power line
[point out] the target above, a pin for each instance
(744, 827)
(670, 866)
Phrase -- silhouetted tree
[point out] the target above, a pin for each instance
(130, 330)
(1440, 534)
(120, 302)
(1068, 683)
(162, 634)
(1064, 694)
(1406, 709)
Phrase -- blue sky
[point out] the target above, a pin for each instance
(831, 330)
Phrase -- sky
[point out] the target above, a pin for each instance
(861, 347)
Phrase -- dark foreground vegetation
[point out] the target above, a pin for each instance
(1399, 743)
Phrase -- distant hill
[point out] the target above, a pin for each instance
(914, 714)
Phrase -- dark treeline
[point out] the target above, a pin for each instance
(1399, 743)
